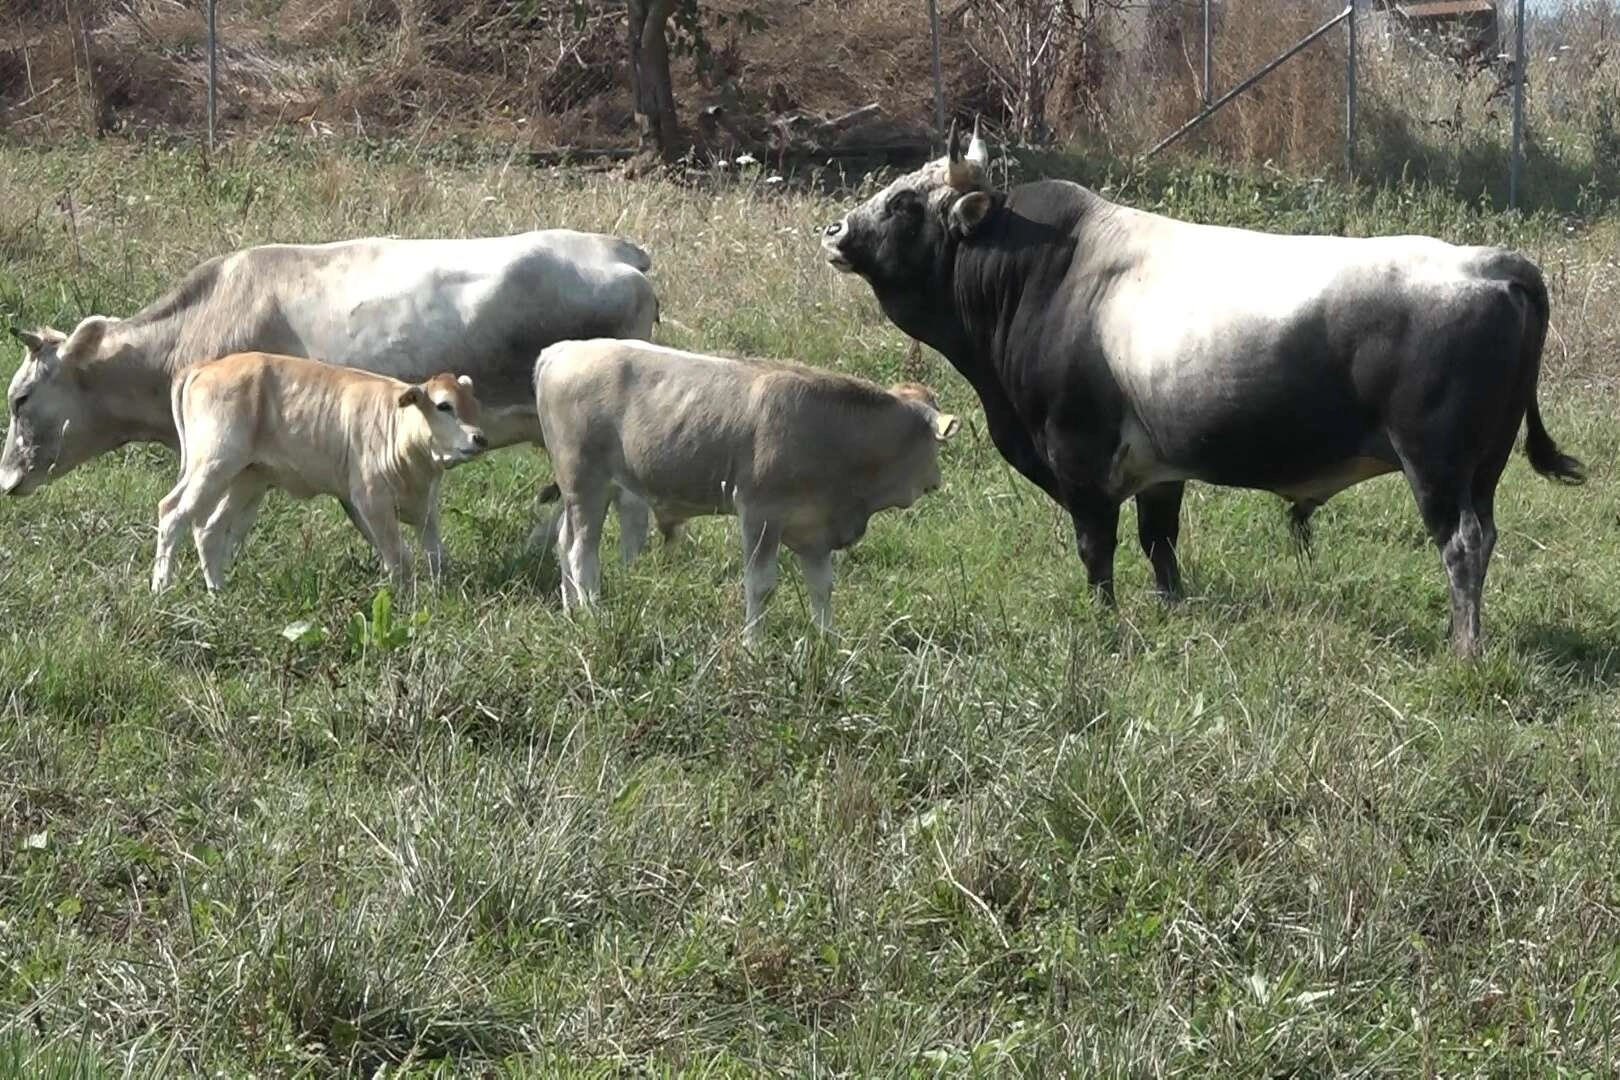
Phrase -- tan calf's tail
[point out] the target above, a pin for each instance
(1544, 455)
(177, 408)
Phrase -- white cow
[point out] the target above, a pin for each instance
(253, 421)
(803, 457)
(401, 307)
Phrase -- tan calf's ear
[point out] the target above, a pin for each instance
(945, 425)
(413, 395)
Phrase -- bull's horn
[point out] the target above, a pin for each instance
(976, 149)
(953, 147)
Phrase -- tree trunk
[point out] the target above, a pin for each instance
(649, 76)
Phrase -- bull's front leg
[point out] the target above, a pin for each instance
(1158, 527)
(1096, 534)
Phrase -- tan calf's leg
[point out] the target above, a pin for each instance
(386, 538)
(221, 536)
(204, 486)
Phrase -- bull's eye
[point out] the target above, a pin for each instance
(444, 406)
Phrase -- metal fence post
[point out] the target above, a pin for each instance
(213, 70)
(1350, 95)
(1518, 107)
(939, 83)
(1208, 30)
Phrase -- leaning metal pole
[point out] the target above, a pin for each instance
(1518, 106)
(1207, 53)
(939, 83)
(1350, 96)
(212, 70)
(1216, 105)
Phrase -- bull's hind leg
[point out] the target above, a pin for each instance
(1447, 505)
(1158, 527)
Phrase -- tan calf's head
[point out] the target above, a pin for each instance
(451, 412)
(943, 424)
(50, 432)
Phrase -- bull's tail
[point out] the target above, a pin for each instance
(1544, 455)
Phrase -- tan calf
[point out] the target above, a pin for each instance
(803, 457)
(253, 421)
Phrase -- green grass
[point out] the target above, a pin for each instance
(988, 830)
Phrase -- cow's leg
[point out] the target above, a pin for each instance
(203, 486)
(1158, 527)
(582, 537)
(760, 542)
(818, 579)
(672, 532)
(634, 525)
(1096, 534)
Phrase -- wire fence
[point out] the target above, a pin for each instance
(1309, 87)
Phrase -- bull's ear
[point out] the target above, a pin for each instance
(945, 425)
(86, 338)
(969, 212)
(465, 381)
(413, 395)
(31, 341)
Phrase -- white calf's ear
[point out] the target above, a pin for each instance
(465, 381)
(413, 395)
(86, 338)
(969, 212)
(945, 425)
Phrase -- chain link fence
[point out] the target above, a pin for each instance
(1434, 83)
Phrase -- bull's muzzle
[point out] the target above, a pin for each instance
(832, 245)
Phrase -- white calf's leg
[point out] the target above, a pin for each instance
(760, 541)
(818, 580)
(634, 523)
(585, 510)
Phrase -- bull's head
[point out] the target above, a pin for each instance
(49, 432)
(896, 238)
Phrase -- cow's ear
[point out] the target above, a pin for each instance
(86, 338)
(969, 212)
(412, 395)
(31, 341)
(465, 381)
(946, 425)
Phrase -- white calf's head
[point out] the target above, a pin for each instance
(450, 410)
(50, 431)
(943, 425)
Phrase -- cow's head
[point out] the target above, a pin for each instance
(450, 410)
(924, 468)
(50, 431)
(898, 238)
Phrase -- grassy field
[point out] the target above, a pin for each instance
(988, 830)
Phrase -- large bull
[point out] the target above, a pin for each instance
(1119, 354)
(406, 308)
